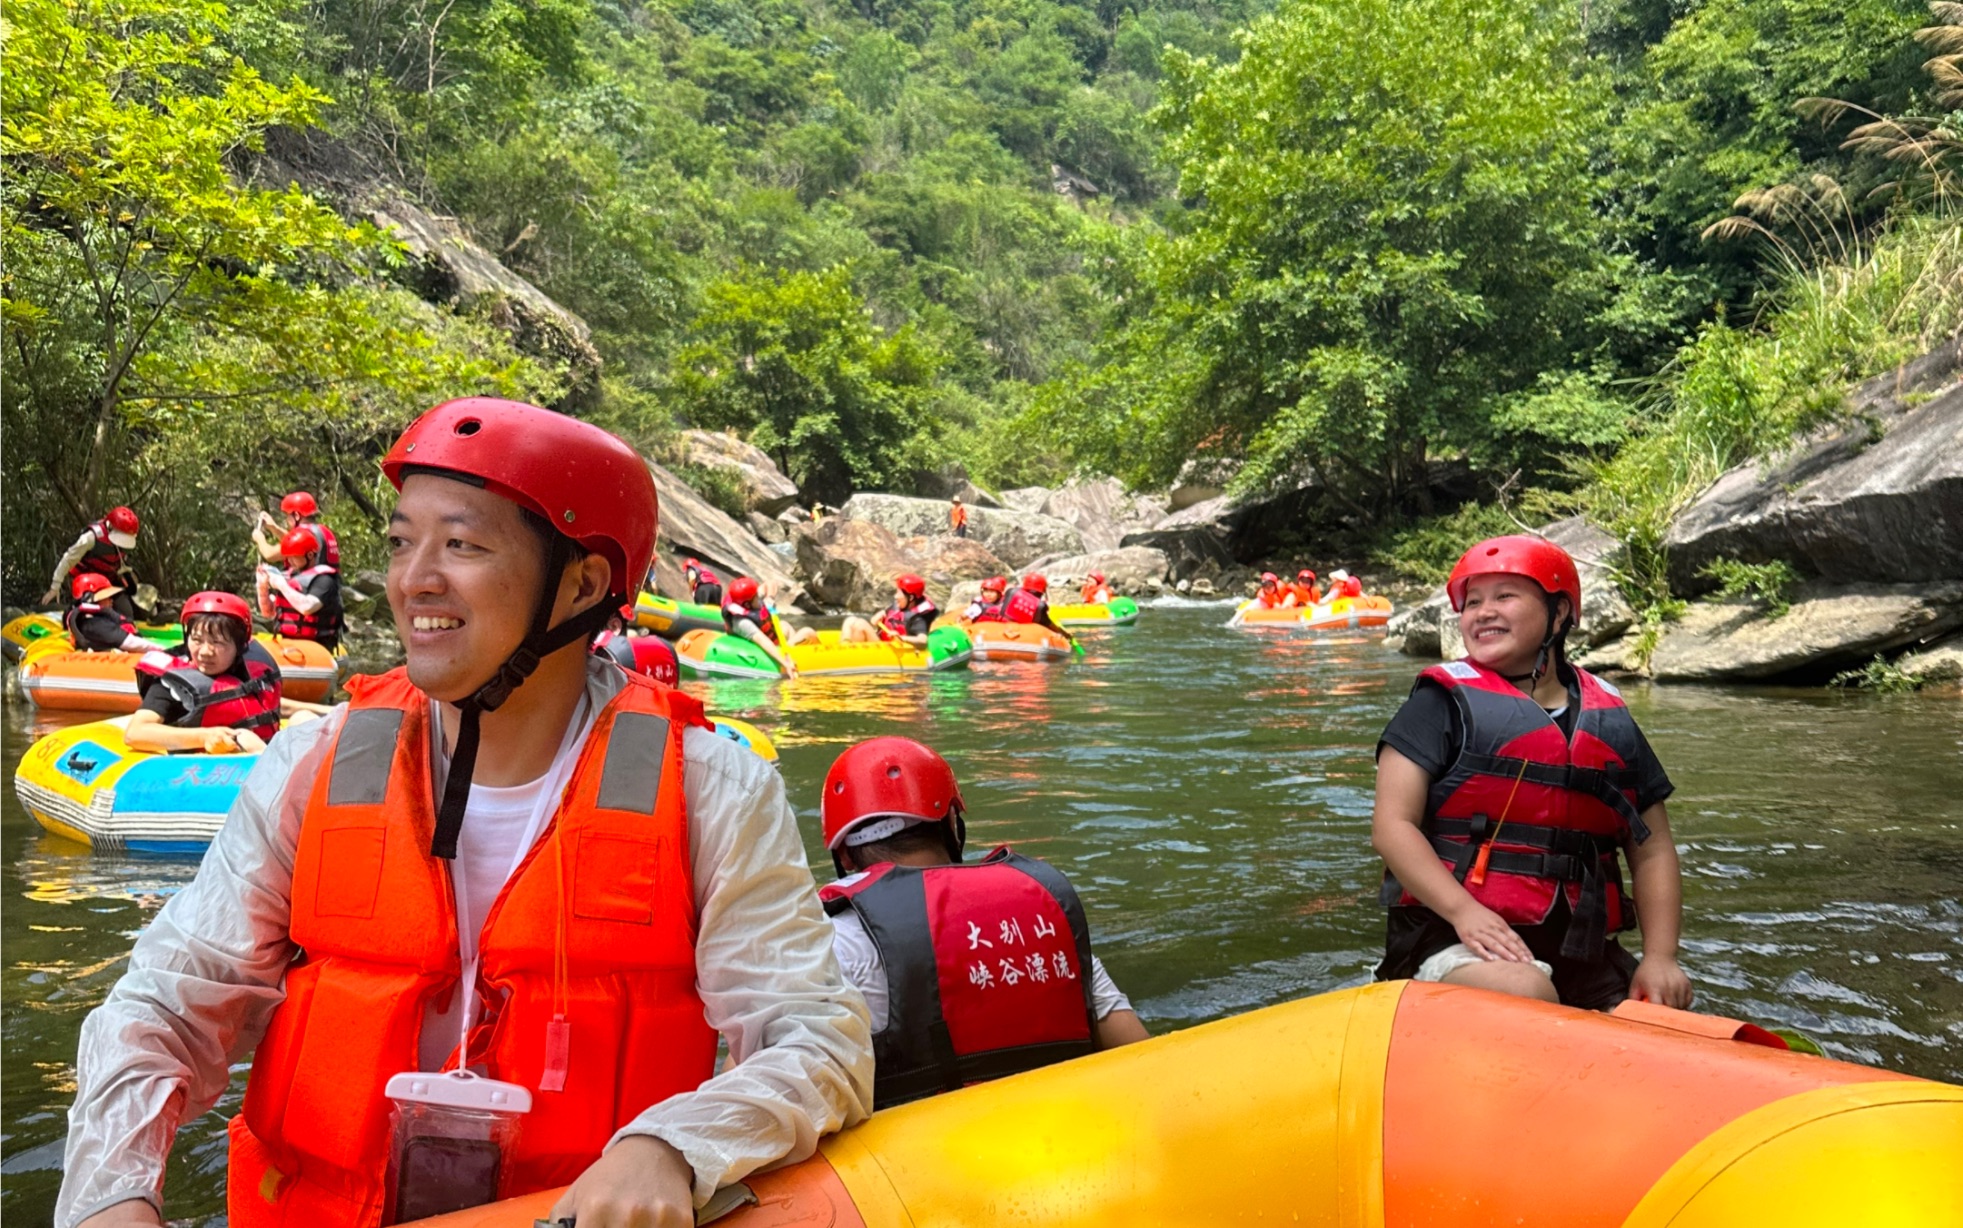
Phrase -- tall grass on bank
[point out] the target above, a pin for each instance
(1848, 313)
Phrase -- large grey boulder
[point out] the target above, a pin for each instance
(1024, 498)
(850, 564)
(1878, 499)
(692, 527)
(765, 488)
(1129, 570)
(1829, 627)
(1017, 538)
(1200, 479)
(1193, 539)
(1937, 665)
(1103, 510)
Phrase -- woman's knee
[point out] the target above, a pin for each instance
(1504, 976)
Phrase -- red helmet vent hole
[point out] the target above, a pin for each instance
(893, 772)
(469, 426)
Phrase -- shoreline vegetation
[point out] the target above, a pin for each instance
(1435, 270)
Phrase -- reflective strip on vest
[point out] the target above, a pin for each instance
(364, 754)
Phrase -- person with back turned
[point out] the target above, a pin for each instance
(971, 970)
(103, 550)
(508, 857)
(1507, 785)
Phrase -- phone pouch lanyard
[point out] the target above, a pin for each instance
(450, 1137)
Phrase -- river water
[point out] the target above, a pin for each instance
(1209, 793)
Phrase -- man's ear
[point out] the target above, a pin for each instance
(592, 578)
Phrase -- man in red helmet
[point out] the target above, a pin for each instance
(103, 550)
(1030, 603)
(1004, 938)
(300, 509)
(507, 857)
(1507, 785)
(911, 615)
(747, 614)
(304, 601)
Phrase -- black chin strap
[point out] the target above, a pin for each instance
(539, 643)
(1544, 657)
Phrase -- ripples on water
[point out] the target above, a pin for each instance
(1209, 793)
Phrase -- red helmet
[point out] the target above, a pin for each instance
(298, 542)
(1097, 577)
(1035, 583)
(1534, 558)
(122, 523)
(299, 503)
(995, 584)
(89, 584)
(911, 585)
(229, 604)
(1305, 574)
(742, 590)
(887, 777)
(585, 482)
(1269, 577)
(691, 566)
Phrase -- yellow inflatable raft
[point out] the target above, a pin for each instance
(54, 675)
(25, 630)
(1399, 1105)
(709, 654)
(1118, 612)
(1348, 613)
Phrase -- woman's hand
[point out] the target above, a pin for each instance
(1659, 979)
(1487, 935)
(639, 1182)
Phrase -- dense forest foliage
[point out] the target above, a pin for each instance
(1324, 242)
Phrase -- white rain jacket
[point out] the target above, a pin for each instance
(205, 976)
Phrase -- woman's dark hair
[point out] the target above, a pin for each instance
(216, 626)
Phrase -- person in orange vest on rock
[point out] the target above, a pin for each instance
(300, 509)
(103, 550)
(1095, 590)
(1272, 595)
(304, 601)
(1031, 604)
(957, 517)
(1007, 933)
(508, 858)
(1343, 584)
(1507, 785)
(1303, 590)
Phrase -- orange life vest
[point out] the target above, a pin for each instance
(606, 889)
(1305, 594)
(1096, 594)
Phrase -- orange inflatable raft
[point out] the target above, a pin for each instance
(1348, 614)
(1016, 642)
(1399, 1104)
(56, 676)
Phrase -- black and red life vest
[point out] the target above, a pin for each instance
(324, 624)
(761, 616)
(1023, 606)
(224, 702)
(895, 620)
(83, 611)
(1556, 808)
(990, 612)
(640, 654)
(988, 967)
(105, 558)
(330, 546)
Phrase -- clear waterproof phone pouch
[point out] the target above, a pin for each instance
(452, 1135)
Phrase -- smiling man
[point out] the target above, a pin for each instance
(508, 856)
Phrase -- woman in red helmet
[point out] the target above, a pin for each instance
(507, 856)
(911, 615)
(103, 550)
(1030, 603)
(93, 622)
(1096, 590)
(1273, 595)
(1507, 786)
(1304, 590)
(300, 509)
(219, 693)
(989, 605)
(304, 601)
(1006, 932)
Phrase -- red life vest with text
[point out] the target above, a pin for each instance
(988, 969)
(1556, 808)
(640, 654)
(586, 963)
(224, 702)
(330, 546)
(1023, 606)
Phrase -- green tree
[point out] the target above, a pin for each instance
(1392, 240)
(158, 309)
(795, 360)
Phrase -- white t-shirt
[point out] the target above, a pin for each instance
(858, 958)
